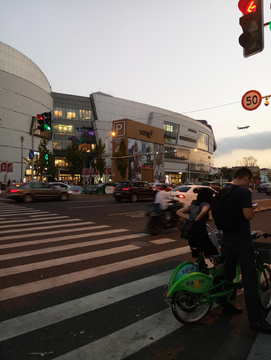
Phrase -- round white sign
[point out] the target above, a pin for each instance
(251, 100)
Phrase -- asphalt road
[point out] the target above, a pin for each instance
(83, 280)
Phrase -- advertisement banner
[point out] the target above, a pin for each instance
(158, 162)
(135, 151)
(147, 155)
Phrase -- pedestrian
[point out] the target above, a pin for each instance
(239, 249)
(8, 182)
(198, 210)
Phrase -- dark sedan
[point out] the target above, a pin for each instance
(263, 187)
(37, 190)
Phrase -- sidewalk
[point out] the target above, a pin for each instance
(261, 349)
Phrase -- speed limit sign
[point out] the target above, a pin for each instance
(251, 100)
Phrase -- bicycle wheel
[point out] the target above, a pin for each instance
(186, 309)
(265, 281)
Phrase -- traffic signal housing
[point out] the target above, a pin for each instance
(252, 39)
(41, 122)
(48, 121)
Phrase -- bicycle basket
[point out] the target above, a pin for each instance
(264, 250)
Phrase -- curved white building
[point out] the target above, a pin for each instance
(25, 92)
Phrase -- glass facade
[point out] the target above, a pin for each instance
(171, 131)
(175, 153)
(203, 141)
(72, 117)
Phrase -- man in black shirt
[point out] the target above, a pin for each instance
(239, 249)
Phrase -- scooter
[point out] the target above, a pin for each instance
(160, 219)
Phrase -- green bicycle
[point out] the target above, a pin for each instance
(192, 290)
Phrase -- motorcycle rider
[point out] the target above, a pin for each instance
(164, 199)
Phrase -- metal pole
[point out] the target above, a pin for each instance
(32, 161)
(106, 167)
(22, 147)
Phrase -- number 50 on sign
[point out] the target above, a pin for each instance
(251, 100)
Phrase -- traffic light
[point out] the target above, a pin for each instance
(41, 122)
(252, 39)
(48, 121)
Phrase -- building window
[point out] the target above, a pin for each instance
(171, 131)
(71, 115)
(85, 114)
(58, 114)
(203, 141)
(176, 153)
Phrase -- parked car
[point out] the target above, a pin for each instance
(62, 185)
(263, 187)
(134, 190)
(159, 186)
(187, 193)
(212, 184)
(268, 190)
(37, 190)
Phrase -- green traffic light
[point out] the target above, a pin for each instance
(47, 127)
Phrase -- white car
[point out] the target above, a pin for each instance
(187, 193)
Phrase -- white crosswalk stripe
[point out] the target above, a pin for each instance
(49, 250)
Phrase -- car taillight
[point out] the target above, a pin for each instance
(181, 196)
(115, 188)
(126, 189)
(13, 190)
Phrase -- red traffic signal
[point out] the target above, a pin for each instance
(252, 38)
(247, 6)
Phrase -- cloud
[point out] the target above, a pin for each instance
(257, 141)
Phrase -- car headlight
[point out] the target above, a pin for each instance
(69, 192)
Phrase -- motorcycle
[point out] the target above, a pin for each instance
(160, 219)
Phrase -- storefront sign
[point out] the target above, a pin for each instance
(149, 134)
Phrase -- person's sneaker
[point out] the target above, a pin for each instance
(231, 310)
(262, 327)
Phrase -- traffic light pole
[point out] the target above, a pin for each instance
(32, 160)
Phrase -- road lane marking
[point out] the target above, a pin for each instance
(10, 237)
(57, 281)
(132, 212)
(24, 214)
(63, 238)
(47, 226)
(162, 241)
(54, 314)
(66, 247)
(129, 340)
(35, 219)
(66, 260)
(44, 219)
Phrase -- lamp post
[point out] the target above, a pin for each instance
(112, 133)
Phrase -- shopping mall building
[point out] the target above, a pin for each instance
(183, 147)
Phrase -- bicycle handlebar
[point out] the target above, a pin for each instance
(265, 235)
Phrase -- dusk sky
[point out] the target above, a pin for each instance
(179, 55)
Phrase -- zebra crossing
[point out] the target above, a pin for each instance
(37, 261)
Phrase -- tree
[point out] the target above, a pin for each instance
(122, 163)
(227, 173)
(256, 178)
(249, 161)
(269, 175)
(100, 161)
(75, 158)
(45, 164)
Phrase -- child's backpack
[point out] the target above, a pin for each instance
(223, 210)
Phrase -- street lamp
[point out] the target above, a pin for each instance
(190, 163)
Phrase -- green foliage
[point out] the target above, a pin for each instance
(121, 164)
(227, 173)
(75, 158)
(256, 177)
(46, 161)
(100, 162)
(269, 175)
